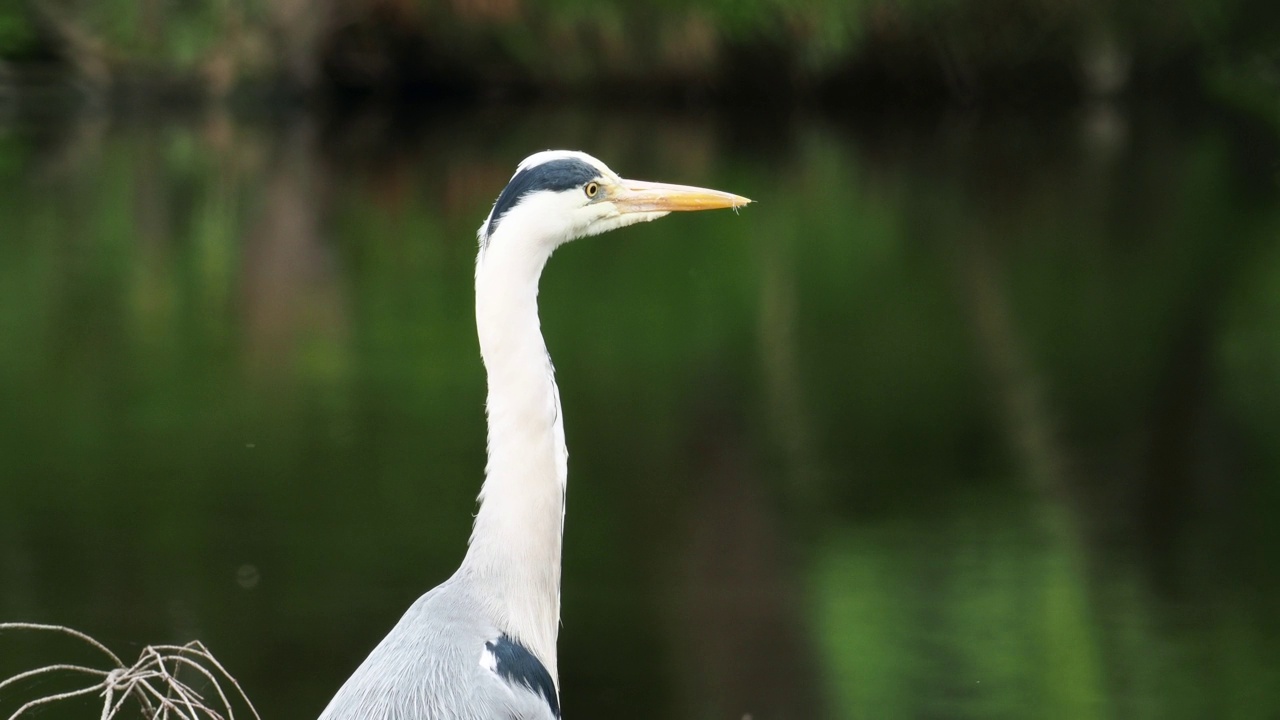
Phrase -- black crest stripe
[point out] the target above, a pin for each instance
(553, 175)
(516, 664)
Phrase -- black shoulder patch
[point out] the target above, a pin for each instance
(516, 664)
(555, 175)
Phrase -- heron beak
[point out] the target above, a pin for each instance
(638, 196)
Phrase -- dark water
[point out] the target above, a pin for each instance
(968, 417)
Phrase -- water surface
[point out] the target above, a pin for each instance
(969, 416)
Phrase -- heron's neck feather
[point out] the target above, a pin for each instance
(514, 551)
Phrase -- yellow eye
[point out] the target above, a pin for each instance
(591, 189)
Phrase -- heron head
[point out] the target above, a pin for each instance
(560, 195)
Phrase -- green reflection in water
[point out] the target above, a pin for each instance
(963, 419)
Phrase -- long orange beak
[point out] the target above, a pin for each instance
(640, 196)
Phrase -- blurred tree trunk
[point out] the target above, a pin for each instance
(741, 629)
(298, 28)
(292, 303)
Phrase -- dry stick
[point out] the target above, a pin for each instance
(109, 688)
(51, 698)
(114, 708)
(65, 631)
(126, 688)
(126, 679)
(202, 651)
(178, 659)
(170, 682)
(151, 657)
(52, 668)
(129, 690)
(121, 683)
(139, 675)
(144, 685)
(198, 649)
(185, 694)
(166, 705)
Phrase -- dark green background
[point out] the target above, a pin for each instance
(971, 415)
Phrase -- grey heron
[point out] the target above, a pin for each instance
(482, 645)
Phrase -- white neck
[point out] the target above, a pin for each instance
(514, 551)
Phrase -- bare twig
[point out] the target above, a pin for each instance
(198, 648)
(52, 668)
(152, 681)
(65, 631)
(52, 698)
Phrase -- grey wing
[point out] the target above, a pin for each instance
(440, 662)
(524, 675)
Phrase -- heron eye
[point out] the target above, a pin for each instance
(591, 189)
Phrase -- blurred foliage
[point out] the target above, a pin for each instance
(764, 47)
(16, 32)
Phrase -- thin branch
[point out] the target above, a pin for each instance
(52, 698)
(152, 681)
(199, 648)
(53, 668)
(184, 690)
(65, 631)
(166, 704)
(178, 659)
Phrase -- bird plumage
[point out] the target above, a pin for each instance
(482, 645)
(439, 663)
